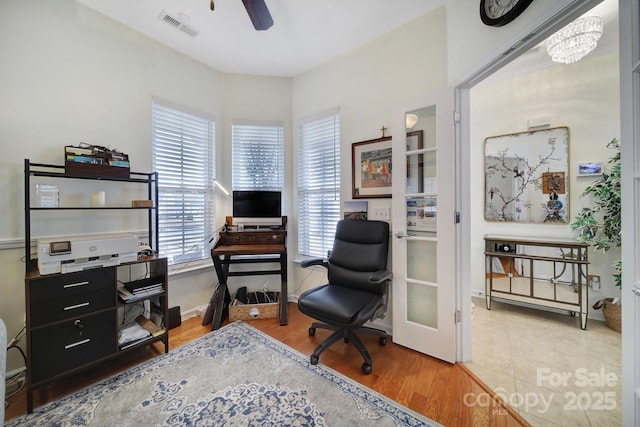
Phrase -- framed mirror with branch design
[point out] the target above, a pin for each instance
(527, 176)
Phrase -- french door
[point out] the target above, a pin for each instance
(424, 226)
(629, 18)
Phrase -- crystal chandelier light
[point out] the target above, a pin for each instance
(576, 40)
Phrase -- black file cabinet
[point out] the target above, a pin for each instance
(73, 321)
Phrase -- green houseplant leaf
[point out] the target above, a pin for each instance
(600, 225)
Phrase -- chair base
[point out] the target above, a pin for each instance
(347, 335)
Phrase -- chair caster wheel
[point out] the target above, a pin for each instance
(366, 368)
(314, 359)
(382, 341)
(312, 331)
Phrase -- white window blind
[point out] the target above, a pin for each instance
(257, 157)
(318, 184)
(183, 156)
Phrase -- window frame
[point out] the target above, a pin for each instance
(261, 183)
(324, 204)
(190, 128)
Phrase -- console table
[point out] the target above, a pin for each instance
(521, 269)
(250, 246)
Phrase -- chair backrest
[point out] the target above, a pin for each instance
(360, 248)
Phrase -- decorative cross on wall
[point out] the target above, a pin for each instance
(383, 129)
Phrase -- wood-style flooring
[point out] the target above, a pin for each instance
(448, 394)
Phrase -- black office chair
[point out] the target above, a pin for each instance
(357, 291)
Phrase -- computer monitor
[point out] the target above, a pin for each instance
(257, 207)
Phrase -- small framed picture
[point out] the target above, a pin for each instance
(355, 209)
(590, 169)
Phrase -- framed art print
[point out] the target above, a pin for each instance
(590, 169)
(371, 168)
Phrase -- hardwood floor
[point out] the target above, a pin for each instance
(448, 394)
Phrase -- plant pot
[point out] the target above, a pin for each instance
(612, 314)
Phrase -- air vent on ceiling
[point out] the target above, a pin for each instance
(181, 22)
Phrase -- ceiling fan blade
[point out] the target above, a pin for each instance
(259, 14)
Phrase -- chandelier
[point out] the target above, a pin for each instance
(576, 40)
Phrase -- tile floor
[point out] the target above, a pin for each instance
(545, 366)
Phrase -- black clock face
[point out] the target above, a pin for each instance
(500, 12)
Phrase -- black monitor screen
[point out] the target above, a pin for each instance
(257, 204)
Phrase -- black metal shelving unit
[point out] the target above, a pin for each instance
(72, 318)
(58, 171)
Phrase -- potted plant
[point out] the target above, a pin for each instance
(600, 224)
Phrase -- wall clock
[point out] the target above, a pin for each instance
(497, 13)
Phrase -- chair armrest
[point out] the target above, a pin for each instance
(313, 261)
(380, 276)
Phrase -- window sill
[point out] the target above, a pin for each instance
(192, 267)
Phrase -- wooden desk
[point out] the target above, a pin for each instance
(247, 247)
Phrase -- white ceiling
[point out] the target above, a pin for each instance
(304, 35)
(538, 58)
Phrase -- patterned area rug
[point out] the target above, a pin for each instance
(235, 376)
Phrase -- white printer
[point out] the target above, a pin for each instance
(85, 252)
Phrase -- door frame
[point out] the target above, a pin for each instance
(549, 22)
(628, 11)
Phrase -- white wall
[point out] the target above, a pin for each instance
(255, 99)
(583, 96)
(74, 75)
(472, 43)
(247, 98)
(69, 75)
(366, 85)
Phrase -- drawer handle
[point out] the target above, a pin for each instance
(73, 307)
(75, 344)
(73, 285)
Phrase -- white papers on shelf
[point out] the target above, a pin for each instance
(132, 332)
(127, 296)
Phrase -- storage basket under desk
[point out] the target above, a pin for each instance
(265, 310)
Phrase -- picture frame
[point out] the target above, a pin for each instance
(356, 209)
(371, 168)
(415, 164)
(590, 169)
(527, 177)
(422, 213)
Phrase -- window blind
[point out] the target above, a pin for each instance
(318, 184)
(257, 157)
(183, 156)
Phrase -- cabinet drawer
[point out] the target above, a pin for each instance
(269, 238)
(248, 238)
(63, 285)
(71, 306)
(236, 239)
(71, 344)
